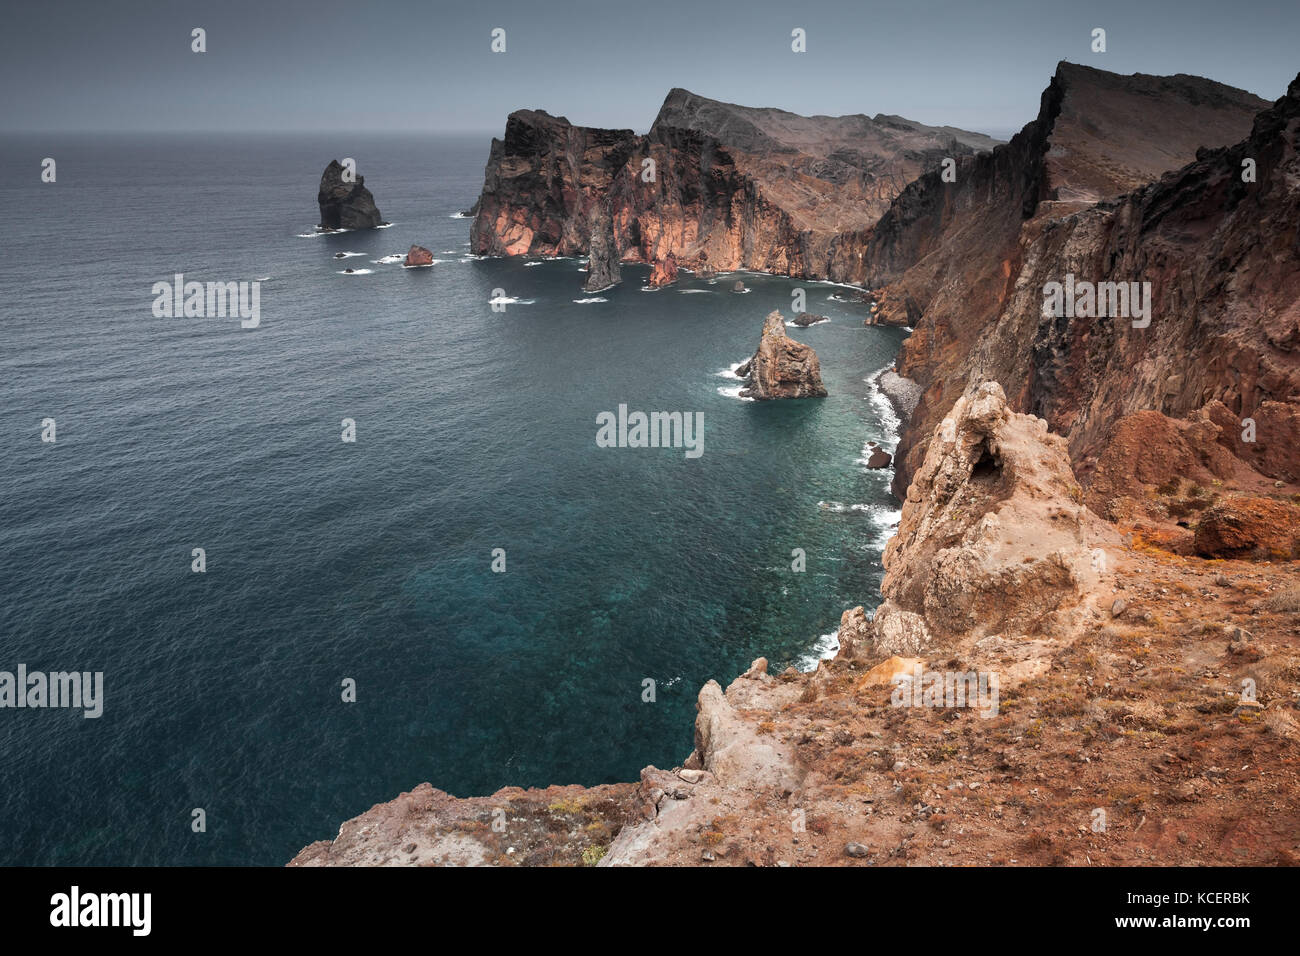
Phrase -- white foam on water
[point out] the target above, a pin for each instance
(356, 272)
(387, 260)
(823, 649)
(730, 371)
(508, 300)
(881, 405)
(595, 298)
(459, 215)
(695, 291)
(734, 392)
(347, 255)
(535, 262)
(316, 233)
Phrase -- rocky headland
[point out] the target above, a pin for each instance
(711, 187)
(1101, 518)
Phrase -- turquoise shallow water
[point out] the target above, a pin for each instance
(371, 561)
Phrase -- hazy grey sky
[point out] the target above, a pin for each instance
(427, 65)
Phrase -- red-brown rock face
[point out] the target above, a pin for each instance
(1222, 259)
(966, 262)
(1249, 528)
(715, 186)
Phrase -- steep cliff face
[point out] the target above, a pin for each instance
(1221, 256)
(543, 183)
(712, 185)
(950, 256)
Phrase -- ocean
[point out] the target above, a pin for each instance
(371, 561)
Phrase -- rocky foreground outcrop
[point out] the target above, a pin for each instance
(344, 204)
(994, 536)
(781, 367)
(712, 185)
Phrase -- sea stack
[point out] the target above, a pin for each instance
(782, 367)
(345, 204)
(603, 270)
(664, 272)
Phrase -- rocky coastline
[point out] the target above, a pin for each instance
(1099, 517)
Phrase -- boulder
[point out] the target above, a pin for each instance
(877, 457)
(418, 256)
(805, 319)
(883, 674)
(1246, 527)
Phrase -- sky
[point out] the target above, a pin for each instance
(427, 65)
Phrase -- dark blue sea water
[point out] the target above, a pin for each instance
(372, 561)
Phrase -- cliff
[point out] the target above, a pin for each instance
(711, 186)
(950, 259)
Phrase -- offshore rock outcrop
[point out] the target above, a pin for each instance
(715, 186)
(664, 272)
(781, 367)
(418, 256)
(343, 204)
(603, 270)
